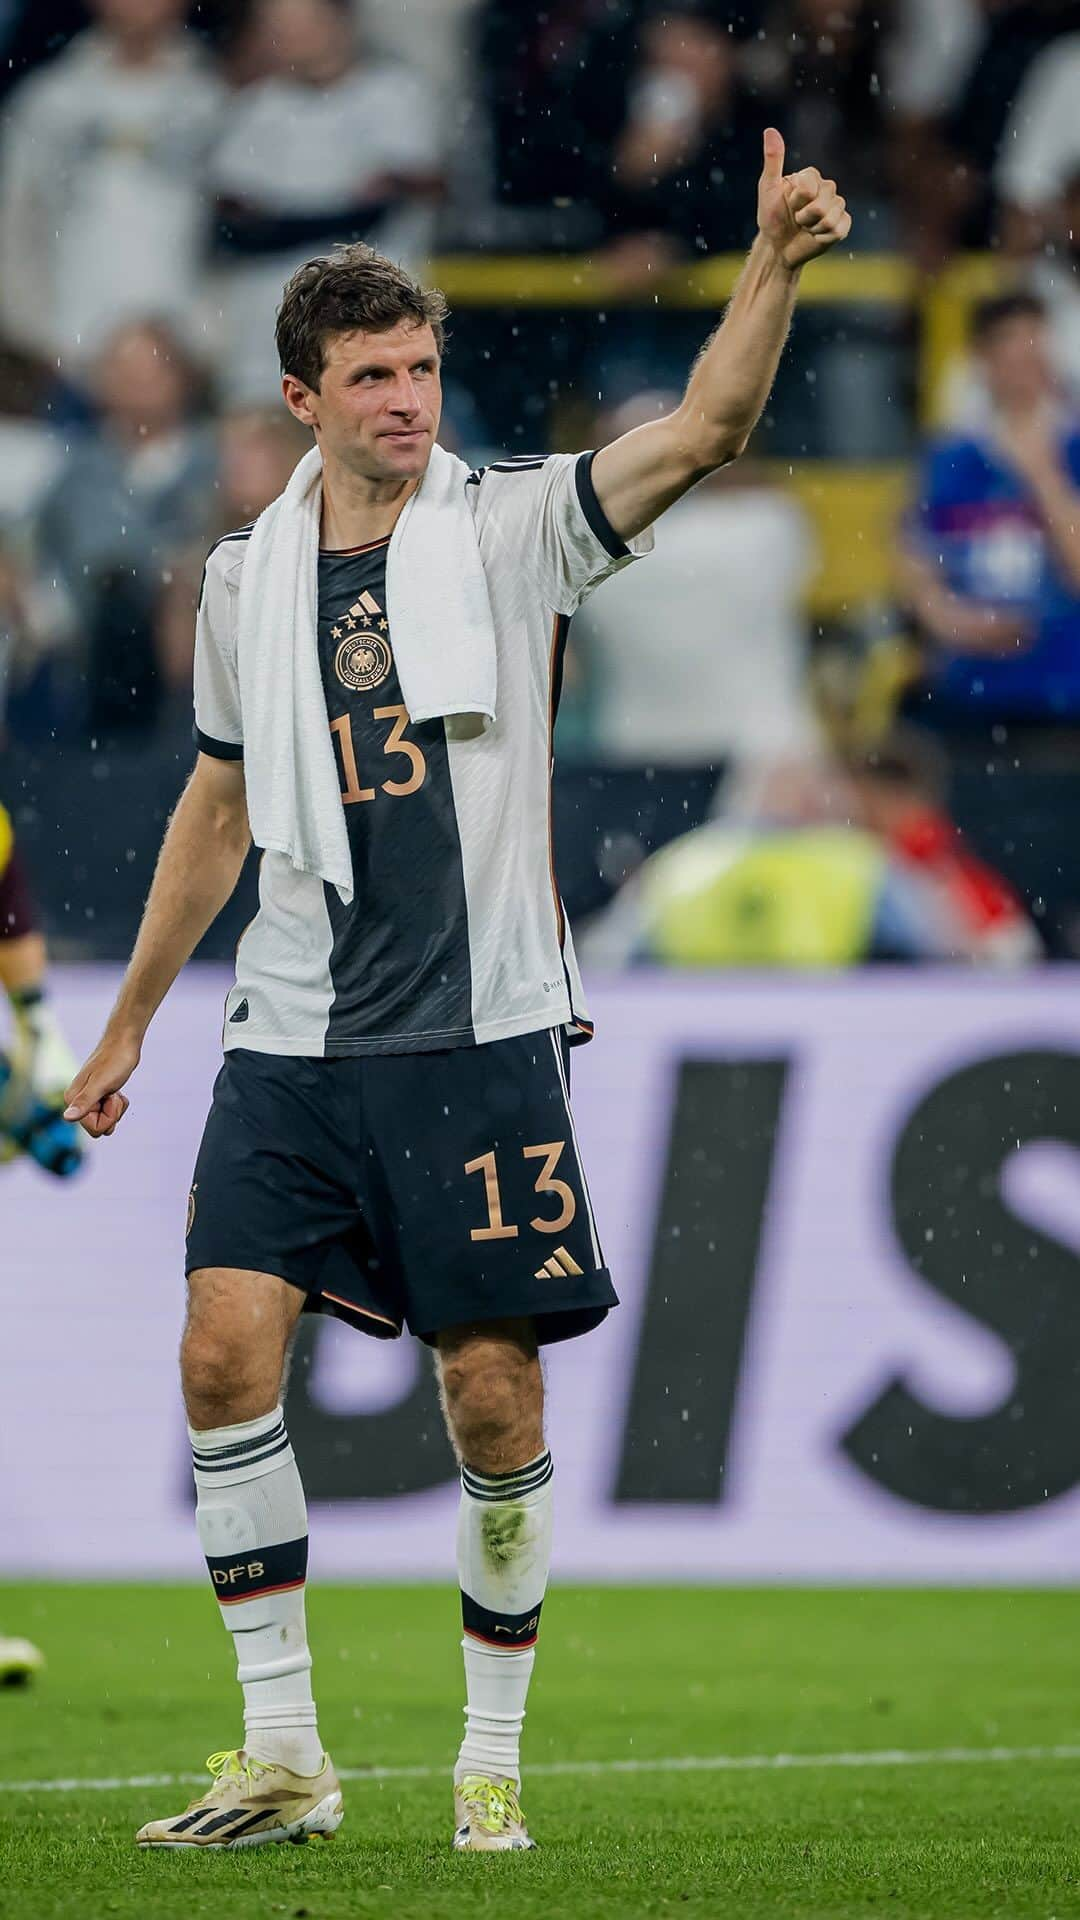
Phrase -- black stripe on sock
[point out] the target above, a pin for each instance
(507, 1630)
(507, 1486)
(246, 1460)
(238, 1446)
(263, 1570)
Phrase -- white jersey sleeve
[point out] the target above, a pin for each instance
(548, 520)
(218, 726)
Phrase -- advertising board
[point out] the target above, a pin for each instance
(843, 1216)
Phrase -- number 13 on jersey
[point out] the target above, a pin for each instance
(395, 745)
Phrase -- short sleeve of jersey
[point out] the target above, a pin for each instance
(549, 520)
(218, 728)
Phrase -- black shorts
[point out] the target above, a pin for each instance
(425, 1190)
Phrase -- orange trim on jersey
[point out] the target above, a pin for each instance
(367, 1312)
(342, 553)
(260, 1593)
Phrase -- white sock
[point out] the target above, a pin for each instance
(252, 1524)
(504, 1551)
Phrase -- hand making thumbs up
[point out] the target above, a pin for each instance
(799, 214)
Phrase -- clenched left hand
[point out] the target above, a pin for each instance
(799, 214)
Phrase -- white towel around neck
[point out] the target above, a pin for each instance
(444, 651)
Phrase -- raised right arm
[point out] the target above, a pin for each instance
(197, 870)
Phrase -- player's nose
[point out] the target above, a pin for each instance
(405, 399)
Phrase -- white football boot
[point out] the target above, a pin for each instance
(488, 1816)
(252, 1803)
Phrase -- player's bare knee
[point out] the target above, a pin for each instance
(217, 1382)
(231, 1356)
(493, 1399)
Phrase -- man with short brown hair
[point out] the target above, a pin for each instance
(391, 1138)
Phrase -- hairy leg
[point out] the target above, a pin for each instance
(493, 1397)
(235, 1344)
(493, 1393)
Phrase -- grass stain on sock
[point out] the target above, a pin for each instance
(502, 1534)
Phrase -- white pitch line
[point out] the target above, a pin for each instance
(705, 1763)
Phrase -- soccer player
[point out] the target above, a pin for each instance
(390, 1138)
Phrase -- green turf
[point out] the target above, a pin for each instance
(138, 1682)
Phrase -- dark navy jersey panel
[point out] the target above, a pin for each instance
(399, 964)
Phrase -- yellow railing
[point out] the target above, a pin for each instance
(941, 304)
(854, 508)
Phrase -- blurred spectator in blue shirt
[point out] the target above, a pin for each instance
(991, 560)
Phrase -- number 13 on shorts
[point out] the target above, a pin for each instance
(546, 1183)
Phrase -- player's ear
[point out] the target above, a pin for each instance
(297, 398)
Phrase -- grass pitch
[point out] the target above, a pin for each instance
(138, 1682)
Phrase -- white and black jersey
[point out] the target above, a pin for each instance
(456, 933)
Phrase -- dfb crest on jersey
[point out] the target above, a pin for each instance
(363, 661)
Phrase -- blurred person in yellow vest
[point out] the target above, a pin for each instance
(820, 864)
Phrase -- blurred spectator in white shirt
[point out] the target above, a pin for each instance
(703, 663)
(102, 205)
(1040, 152)
(950, 130)
(330, 147)
(433, 37)
(931, 49)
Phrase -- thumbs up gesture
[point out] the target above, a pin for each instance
(799, 214)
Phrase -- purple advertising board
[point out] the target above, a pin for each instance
(843, 1216)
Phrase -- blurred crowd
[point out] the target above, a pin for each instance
(164, 167)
